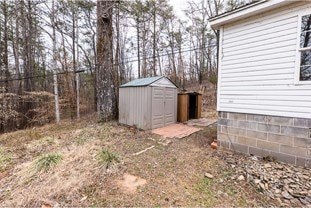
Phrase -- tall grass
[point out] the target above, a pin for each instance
(5, 159)
(108, 158)
(46, 162)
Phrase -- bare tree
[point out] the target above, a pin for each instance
(105, 74)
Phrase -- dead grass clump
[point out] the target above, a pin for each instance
(108, 158)
(5, 160)
(84, 135)
(46, 162)
(37, 144)
(81, 140)
(106, 132)
(33, 134)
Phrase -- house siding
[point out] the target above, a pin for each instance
(257, 66)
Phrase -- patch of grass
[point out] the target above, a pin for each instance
(241, 202)
(149, 166)
(85, 135)
(205, 186)
(231, 191)
(108, 158)
(46, 162)
(43, 141)
(48, 140)
(5, 160)
(81, 140)
(105, 129)
(227, 174)
(92, 194)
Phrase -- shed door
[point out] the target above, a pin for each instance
(163, 106)
(169, 106)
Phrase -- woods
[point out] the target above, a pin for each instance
(112, 42)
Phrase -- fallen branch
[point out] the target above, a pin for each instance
(138, 153)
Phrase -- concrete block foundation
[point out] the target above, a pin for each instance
(283, 138)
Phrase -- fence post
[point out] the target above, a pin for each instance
(56, 98)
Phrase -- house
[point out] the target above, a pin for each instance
(148, 103)
(264, 80)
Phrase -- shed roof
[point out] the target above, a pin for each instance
(142, 82)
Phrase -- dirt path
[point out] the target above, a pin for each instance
(170, 174)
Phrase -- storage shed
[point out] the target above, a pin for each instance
(189, 106)
(148, 103)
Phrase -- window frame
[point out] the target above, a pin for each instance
(298, 49)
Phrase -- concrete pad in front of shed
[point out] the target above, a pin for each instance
(175, 131)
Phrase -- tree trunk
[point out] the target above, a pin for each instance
(105, 75)
(138, 46)
(144, 50)
(28, 46)
(16, 46)
(172, 46)
(5, 41)
(73, 12)
(57, 114)
(154, 40)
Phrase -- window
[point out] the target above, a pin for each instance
(305, 48)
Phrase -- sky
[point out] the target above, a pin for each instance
(179, 6)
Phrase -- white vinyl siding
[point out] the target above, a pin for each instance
(258, 62)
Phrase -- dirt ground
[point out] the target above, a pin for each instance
(174, 172)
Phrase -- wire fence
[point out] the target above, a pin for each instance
(43, 97)
(28, 101)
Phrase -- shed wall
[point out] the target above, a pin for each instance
(257, 65)
(135, 106)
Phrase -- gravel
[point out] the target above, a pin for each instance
(287, 184)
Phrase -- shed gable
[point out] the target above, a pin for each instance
(159, 81)
(163, 82)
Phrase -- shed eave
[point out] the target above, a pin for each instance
(246, 11)
(134, 86)
(149, 82)
(156, 79)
